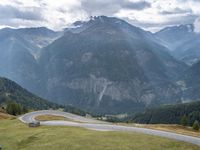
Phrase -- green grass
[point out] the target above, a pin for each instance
(15, 135)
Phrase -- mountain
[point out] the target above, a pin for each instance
(190, 83)
(19, 49)
(36, 37)
(9, 90)
(170, 114)
(16, 61)
(39, 37)
(182, 41)
(107, 65)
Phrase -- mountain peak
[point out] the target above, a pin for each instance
(179, 28)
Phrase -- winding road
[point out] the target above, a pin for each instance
(93, 124)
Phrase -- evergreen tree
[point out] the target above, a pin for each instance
(13, 108)
(196, 125)
(184, 120)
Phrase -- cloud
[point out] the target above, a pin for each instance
(176, 10)
(57, 14)
(197, 25)
(140, 5)
(10, 12)
(110, 7)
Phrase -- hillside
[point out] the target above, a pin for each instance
(190, 83)
(9, 90)
(169, 114)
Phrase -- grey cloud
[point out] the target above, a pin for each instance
(136, 5)
(97, 7)
(16, 23)
(157, 26)
(28, 13)
(177, 10)
(189, 0)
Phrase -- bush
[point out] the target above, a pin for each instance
(196, 125)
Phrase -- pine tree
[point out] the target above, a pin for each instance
(196, 125)
(13, 108)
(184, 120)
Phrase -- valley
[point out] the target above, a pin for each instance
(99, 75)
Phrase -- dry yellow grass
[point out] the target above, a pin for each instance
(6, 116)
(50, 117)
(169, 128)
(174, 128)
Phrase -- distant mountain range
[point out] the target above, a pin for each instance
(19, 49)
(183, 42)
(103, 65)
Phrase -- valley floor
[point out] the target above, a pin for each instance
(15, 135)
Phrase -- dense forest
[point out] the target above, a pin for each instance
(170, 114)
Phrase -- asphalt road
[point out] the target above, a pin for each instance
(93, 124)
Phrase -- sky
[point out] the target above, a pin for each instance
(151, 15)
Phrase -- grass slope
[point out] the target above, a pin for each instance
(5, 116)
(15, 135)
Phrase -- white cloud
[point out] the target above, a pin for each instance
(57, 14)
(197, 25)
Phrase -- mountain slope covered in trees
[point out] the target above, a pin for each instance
(170, 114)
(10, 91)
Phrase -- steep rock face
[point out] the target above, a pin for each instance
(108, 65)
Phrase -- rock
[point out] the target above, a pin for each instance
(34, 124)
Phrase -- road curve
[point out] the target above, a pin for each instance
(102, 126)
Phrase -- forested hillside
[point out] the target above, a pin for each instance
(170, 114)
(12, 92)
